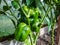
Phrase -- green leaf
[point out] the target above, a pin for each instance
(5, 8)
(6, 26)
(28, 2)
(49, 24)
(15, 4)
(1, 12)
(56, 1)
(0, 1)
(49, 28)
(16, 0)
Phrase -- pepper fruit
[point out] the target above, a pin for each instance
(36, 23)
(25, 33)
(22, 32)
(26, 9)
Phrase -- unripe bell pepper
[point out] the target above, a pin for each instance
(22, 32)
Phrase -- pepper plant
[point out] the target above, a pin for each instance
(31, 16)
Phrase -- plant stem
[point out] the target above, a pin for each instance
(31, 39)
(28, 18)
(53, 36)
(22, 9)
(37, 35)
(41, 24)
(30, 27)
(52, 33)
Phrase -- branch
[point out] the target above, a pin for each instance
(41, 24)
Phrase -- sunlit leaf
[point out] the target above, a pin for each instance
(49, 24)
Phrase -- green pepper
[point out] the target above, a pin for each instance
(25, 33)
(35, 19)
(22, 32)
(26, 9)
(32, 12)
(35, 25)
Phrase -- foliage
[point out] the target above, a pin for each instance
(31, 15)
(6, 26)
